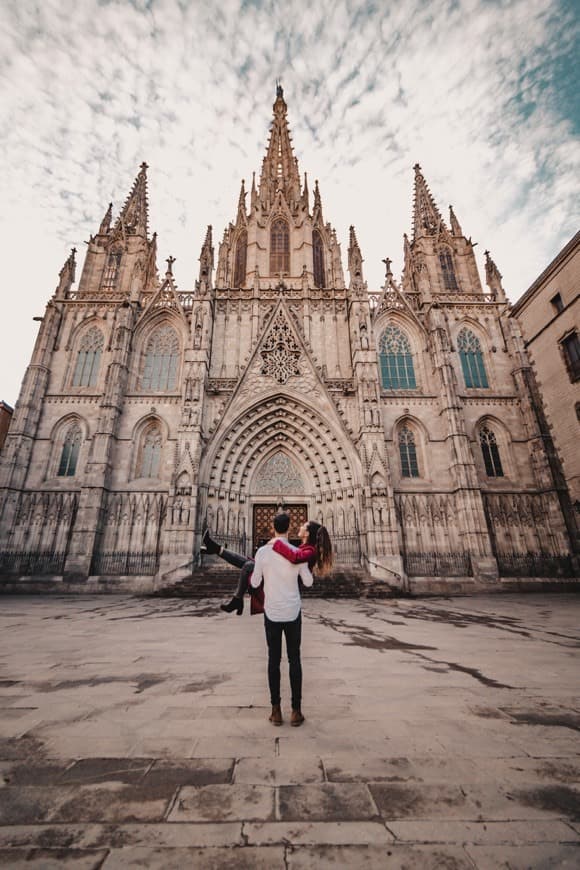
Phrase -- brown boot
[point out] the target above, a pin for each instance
(276, 715)
(297, 718)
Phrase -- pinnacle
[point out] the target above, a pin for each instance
(427, 219)
(134, 214)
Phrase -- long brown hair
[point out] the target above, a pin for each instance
(318, 537)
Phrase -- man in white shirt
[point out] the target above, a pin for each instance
(282, 615)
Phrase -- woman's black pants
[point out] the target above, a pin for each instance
(246, 565)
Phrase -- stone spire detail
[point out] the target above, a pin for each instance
(106, 222)
(317, 208)
(305, 194)
(253, 194)
(355, 261)
(455, 225)
(204, 285)
(66, 275)
(134, 214)
(493, 279)
(427, 220)
(241, 217)
(280, 166)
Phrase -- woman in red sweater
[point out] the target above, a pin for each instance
(316, 549)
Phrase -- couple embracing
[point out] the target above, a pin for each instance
(273, 578)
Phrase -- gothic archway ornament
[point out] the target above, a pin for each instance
(280, 352)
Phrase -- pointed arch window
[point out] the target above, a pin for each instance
(490, 451)
(150, 452)
(448, 270)
(408, 452)
(162, 353)
(279, 247)
(88, 358)
(471, 357)
(240, 261)
(396, 360)
(70, 452)
(112, 270)
(318, 259)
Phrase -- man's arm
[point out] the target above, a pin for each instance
(306, 575)
(258, 574)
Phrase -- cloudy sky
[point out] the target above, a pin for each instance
(484, 94)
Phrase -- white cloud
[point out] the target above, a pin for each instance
(89, 90)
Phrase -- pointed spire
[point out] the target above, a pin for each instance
(355, 260)
(427, 219)
(67, 275)
(305, 193)
(206, 263)
(169, 272)
(134, 214)
(151, 276)
(253, 193)
(455, 225)
(280, 167)
(106, 222)
(493, 279)
(317, 208)
(241, 218)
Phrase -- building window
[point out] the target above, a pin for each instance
(408, 453)
(571, 348)
(150, 452)
(88, 359)
(318, 258)
(70, 452)
(490, 451)
(556, 303)
(449, 279)
(161, 360)
(240, 262)
(112, 270)
(279, 248)
(396, 360)
(471, 357)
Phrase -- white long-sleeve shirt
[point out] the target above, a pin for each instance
(281, 591)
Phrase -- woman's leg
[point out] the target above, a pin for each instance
(235, 559)
(237, 602)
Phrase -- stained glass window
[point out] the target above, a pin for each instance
(449, 279)
(490, 451)
(471, 357)
(408, 453)
(88, 359)
(279, 247)
(240, 263)
(150, 453)
(318, 257)
(161, 360)
(70, 452)
(571, 345)
(396, 360)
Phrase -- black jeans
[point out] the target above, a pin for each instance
(293, 632)
(246, 565)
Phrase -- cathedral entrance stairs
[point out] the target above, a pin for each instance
(221, 583)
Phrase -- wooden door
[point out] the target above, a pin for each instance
(264, 514)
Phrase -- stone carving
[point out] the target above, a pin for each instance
(279, 475)
(280, 352)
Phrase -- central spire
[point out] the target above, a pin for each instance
(280, 166)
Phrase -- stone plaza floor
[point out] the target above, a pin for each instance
(439, 733)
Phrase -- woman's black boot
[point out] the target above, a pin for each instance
(236, 604)
(209, 546)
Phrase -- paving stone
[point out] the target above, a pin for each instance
(48, 859)
(393, 857)
(444, 831)
(31, 804)
(18, 774)
(223, 803)
(113, 802)
(222, 747)
(246, 858)
(328, 802)
(316, 833)
(554, 856)
(95, 770)
(279, 771)
(194, 771)
(92, 836)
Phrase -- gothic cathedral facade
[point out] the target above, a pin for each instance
(405, 420)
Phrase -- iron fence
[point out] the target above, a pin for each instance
(32, 562)
(534, 565)
(437, 564)
(125, 563)
(347, 549)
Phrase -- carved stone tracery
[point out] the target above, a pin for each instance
(280, 352)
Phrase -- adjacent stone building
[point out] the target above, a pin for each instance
(403, 418)
(549, 314)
